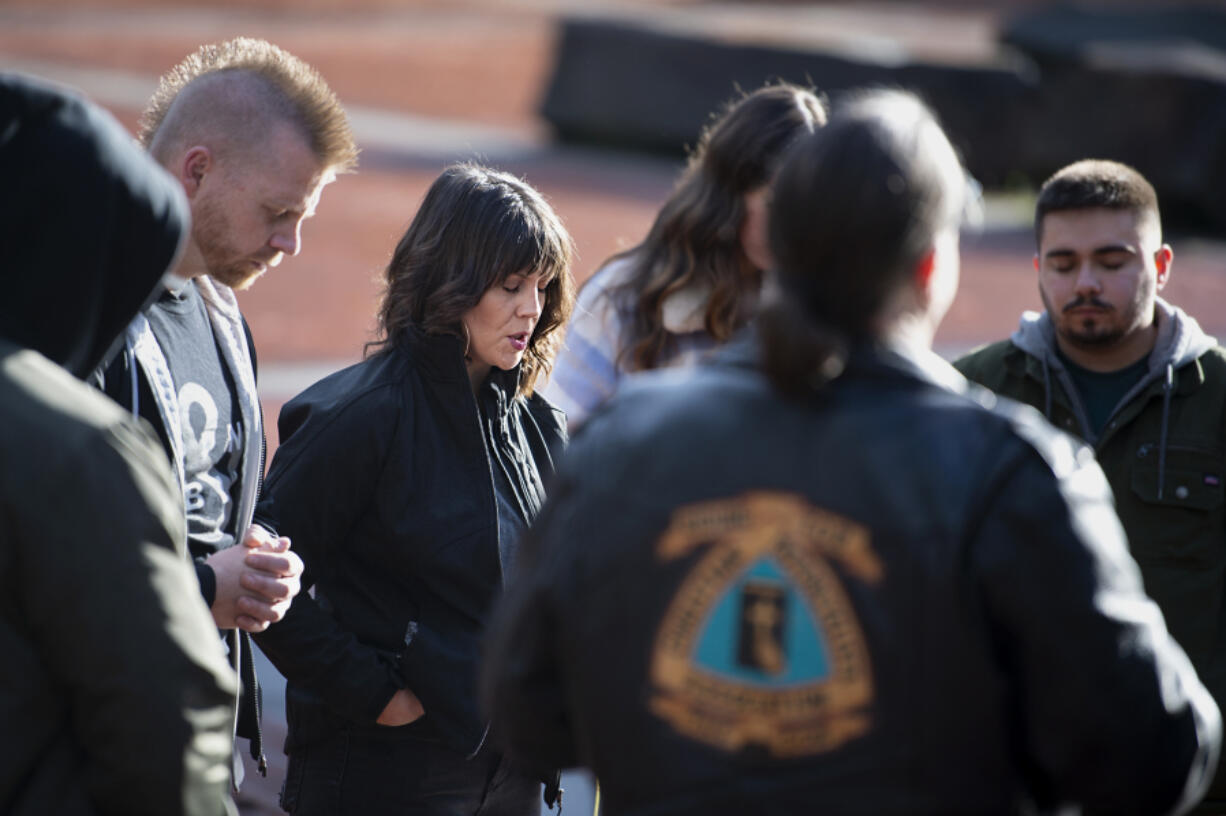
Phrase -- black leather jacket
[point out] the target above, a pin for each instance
(896, 596)
(385, 486)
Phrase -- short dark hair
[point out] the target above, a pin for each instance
(855, 207)
(475, 227)
(696, 235)
(1092, 183)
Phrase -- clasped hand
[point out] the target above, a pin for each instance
(256, 582)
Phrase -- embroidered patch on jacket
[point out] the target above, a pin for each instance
(760, 646)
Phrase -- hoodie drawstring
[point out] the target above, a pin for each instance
(130, 363)
(1166, 415)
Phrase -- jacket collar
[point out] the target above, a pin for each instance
(441, 357)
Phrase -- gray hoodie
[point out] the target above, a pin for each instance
(1180, 341)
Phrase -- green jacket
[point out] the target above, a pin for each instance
(1164, 452)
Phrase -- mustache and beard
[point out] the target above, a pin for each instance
(212, 233)
(1107, 328)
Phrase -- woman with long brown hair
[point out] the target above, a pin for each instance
(695, 278)
(404, 482)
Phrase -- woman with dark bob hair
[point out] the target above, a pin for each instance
(404, 482)
(696, 277)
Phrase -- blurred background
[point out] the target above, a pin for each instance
(595, 101)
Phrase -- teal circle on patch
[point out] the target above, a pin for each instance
(761, 633)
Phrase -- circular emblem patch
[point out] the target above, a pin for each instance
(760, 645)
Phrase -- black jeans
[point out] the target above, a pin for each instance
(371, 773)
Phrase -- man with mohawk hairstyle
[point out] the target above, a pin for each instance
(253, 134)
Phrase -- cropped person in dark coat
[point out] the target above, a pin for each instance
(405, 482)
(114, 690)
(840, 579)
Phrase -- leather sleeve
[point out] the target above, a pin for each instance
(323, 475)
(1112, 714)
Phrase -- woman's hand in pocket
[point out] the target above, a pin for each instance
(402, 709)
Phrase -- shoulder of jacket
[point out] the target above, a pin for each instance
(1062, 452)
(1214, 359)
(367, 385)
(55, 422)
(1203, 381)
(990, 363)
(359, 406)
(34, 386)
(987, 354)
(655, 406)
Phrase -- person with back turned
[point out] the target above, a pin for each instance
(832, 576)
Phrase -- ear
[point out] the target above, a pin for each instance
(924, 276)
(1035, 260)
(194, 165)
(1163, 258)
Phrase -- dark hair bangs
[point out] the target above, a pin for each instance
(527, 247)
(475, 227)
